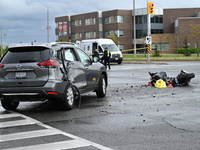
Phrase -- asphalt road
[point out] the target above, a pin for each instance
(133, 115)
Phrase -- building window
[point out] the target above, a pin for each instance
(107, 20)
(121, 47)
(80, 22)
(73, 36)
(160, 46)
(100, 20)
(100, 34)
(94, 20)
(87, 22)
(138, 20)
(94, 34)
(119, 19)
(73, 23)
(139, 33)
(119, 33)
(62, 28)
(80, 35)
(87, 35)
(156, 31)
(157, 19)
(107, 33)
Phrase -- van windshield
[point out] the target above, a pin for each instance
(111, 47)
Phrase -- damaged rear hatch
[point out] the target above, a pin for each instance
(23, 66)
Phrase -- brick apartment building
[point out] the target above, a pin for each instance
(97, 25)
(169, 27)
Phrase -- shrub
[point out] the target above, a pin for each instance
(188, 52)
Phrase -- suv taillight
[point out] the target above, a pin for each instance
(1, 65)
(49, 64)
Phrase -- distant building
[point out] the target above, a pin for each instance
(97, 25)
(169, 27)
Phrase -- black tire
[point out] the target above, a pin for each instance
(68, 99)
(101, 91)
(119, 62)
(9, 104)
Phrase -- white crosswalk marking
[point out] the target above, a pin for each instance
(15, 123)
(70, 142)
(55, 146)
(28, 134)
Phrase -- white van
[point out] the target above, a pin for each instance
(91, 44)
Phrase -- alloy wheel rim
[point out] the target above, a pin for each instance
(70, 96)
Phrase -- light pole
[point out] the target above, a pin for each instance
(148, 27)
(5, 38)
(48, 27)
(148, 22)
(134, 29)
(1, 40)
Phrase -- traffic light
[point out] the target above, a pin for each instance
(149, 48)
(150, 8)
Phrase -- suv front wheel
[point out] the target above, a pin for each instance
(101, 91)
(9, 104)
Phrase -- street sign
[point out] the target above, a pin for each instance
(148, 48)
(148, 40)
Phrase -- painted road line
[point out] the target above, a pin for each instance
(3, 116)
(54, 146)
(76, 142)
(16, 123)
(28, 134)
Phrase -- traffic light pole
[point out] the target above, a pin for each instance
(134, 29)
(148, 28)
(148, 32)
(150, 11)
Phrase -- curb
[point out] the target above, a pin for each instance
(144, 62)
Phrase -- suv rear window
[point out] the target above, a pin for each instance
(26, 54)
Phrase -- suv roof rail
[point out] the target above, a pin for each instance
(28, 44)
(61, 43)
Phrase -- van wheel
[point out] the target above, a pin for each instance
(119, 62)
(101, 91)
(68, 99)
(9, 105)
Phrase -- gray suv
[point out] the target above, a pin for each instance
(58, 72)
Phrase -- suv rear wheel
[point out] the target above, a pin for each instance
(68, 100)
(9, 104)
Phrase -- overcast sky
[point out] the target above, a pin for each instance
(26, 20)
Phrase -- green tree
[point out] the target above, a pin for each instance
(3, 50)
(187, 51)
(114, 38)
(61, 40)
(195, 34)
(156, 52)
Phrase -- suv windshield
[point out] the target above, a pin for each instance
(26, 55)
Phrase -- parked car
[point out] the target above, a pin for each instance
(58, 72)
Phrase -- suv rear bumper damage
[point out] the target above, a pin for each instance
(49, 91)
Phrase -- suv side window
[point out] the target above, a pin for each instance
(84, 57)
(68, 54)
